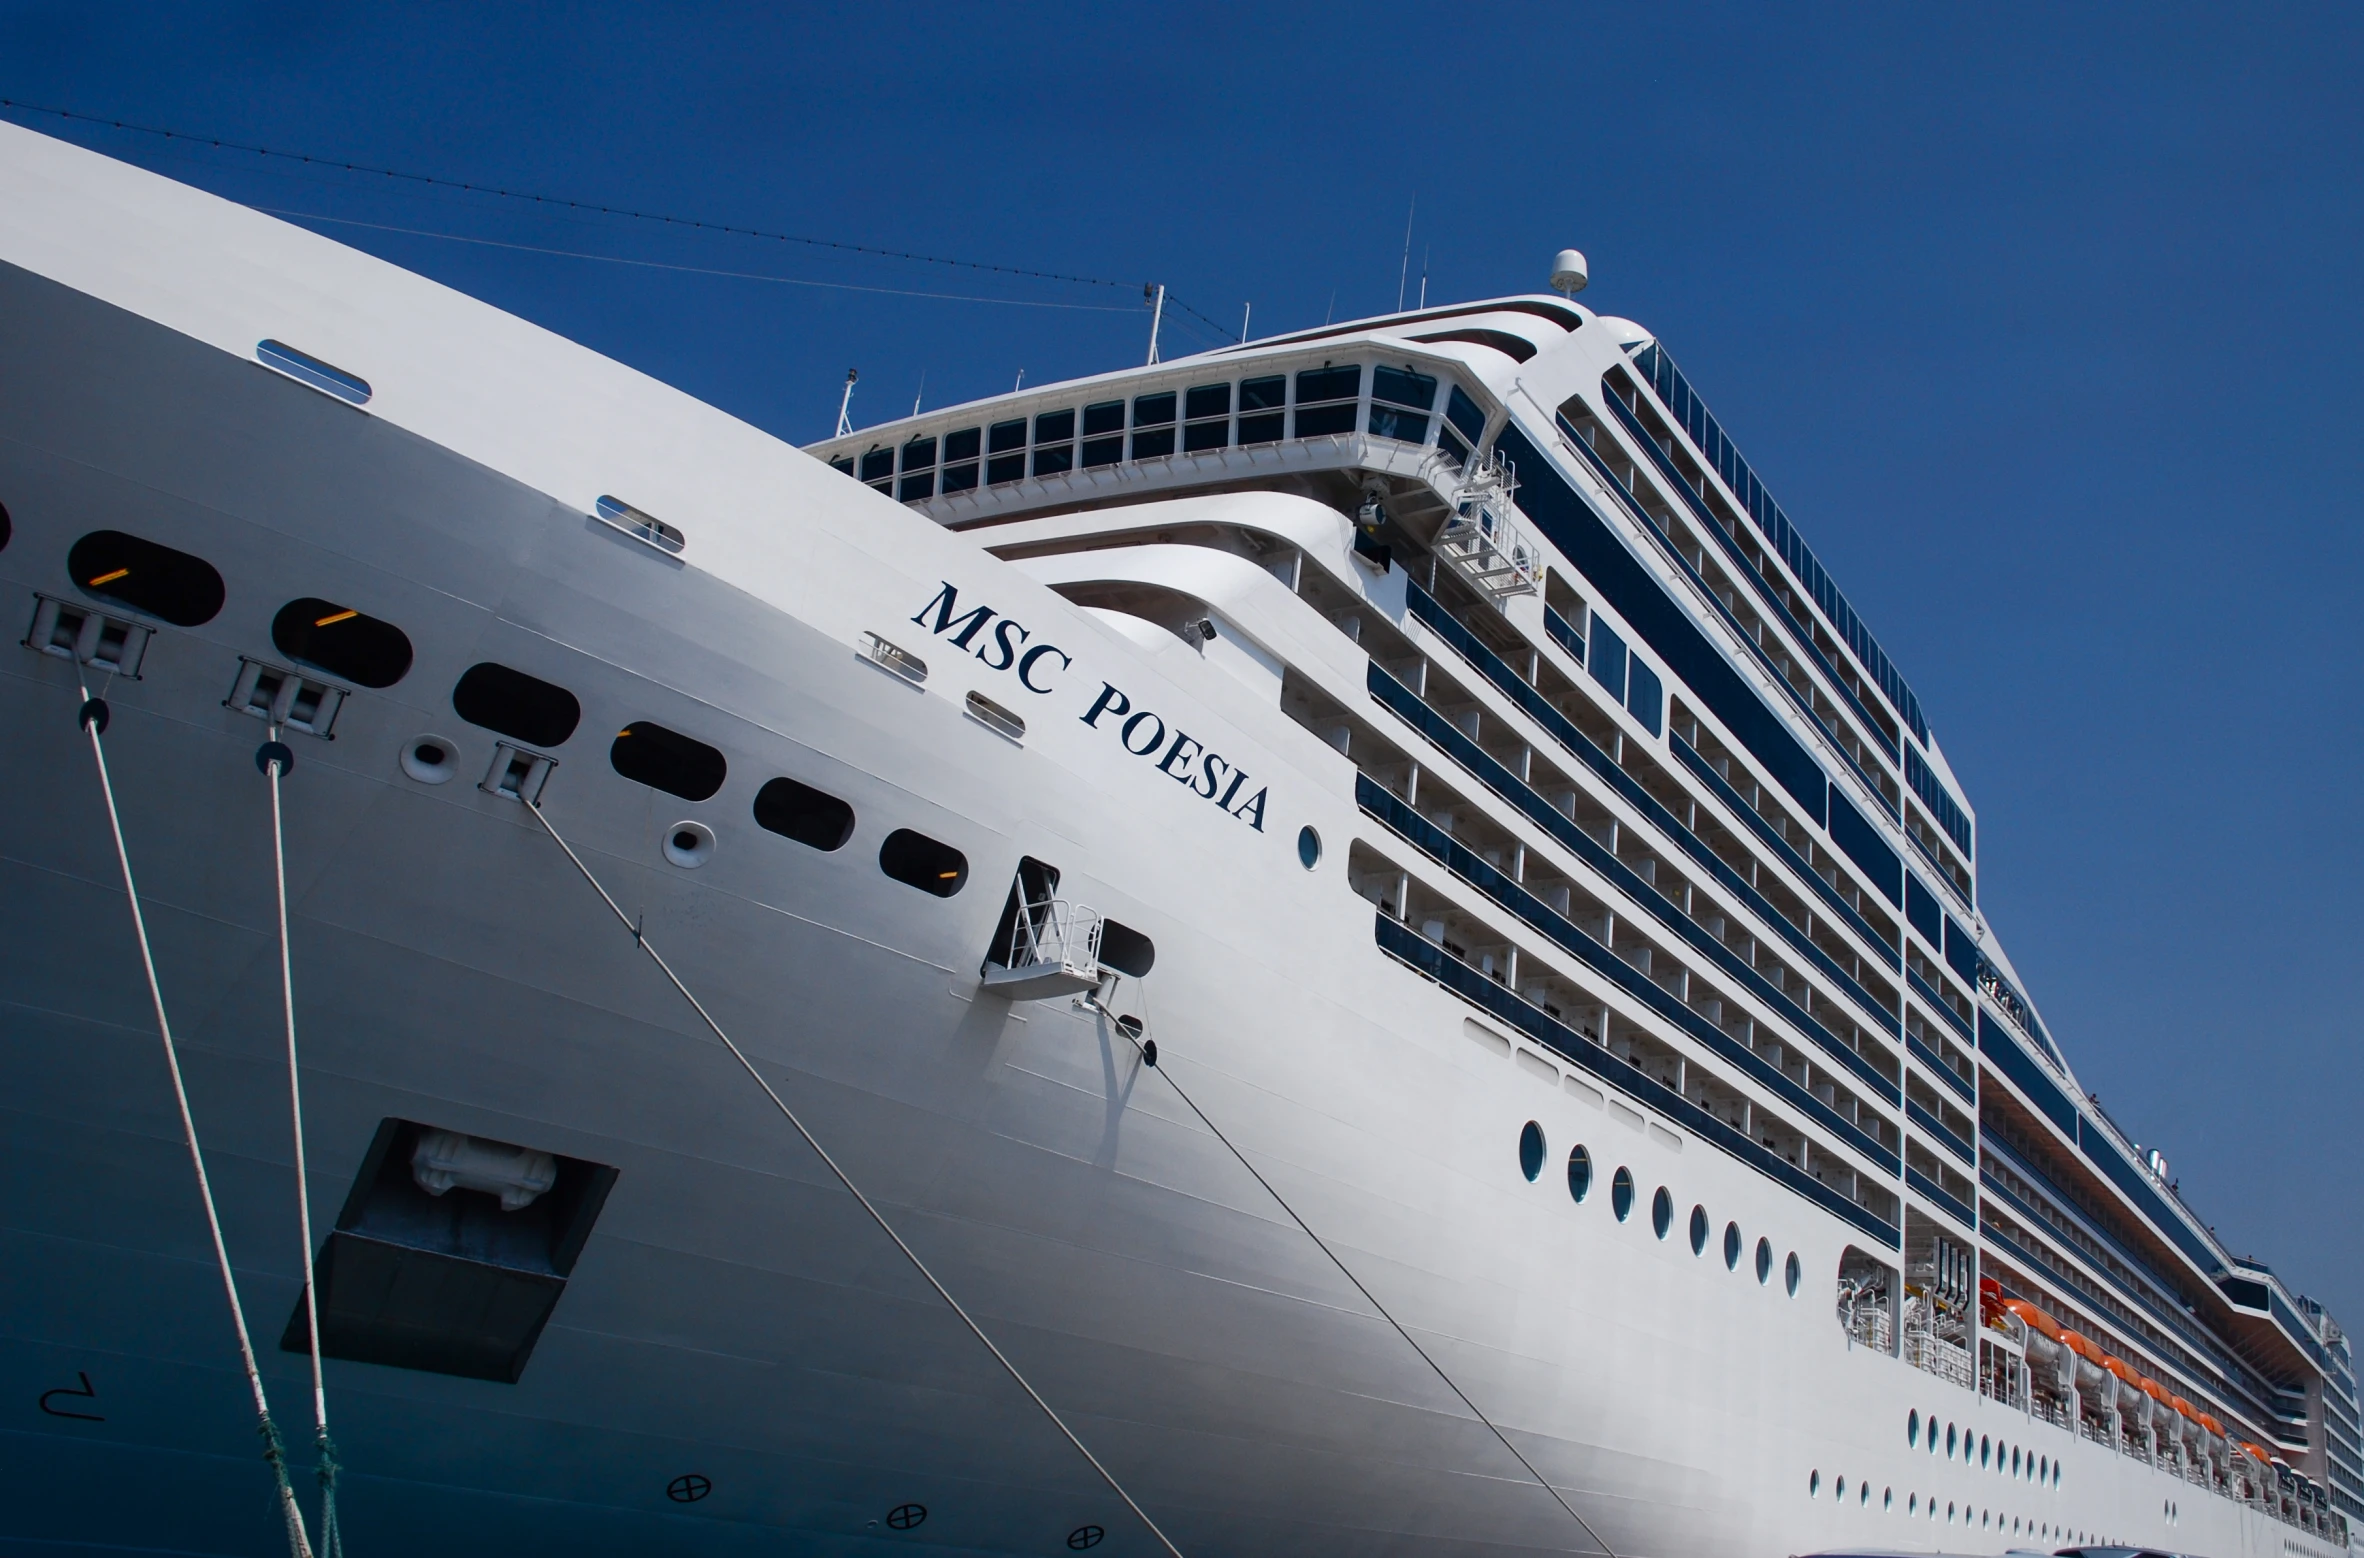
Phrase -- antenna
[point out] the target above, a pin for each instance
(1424, 275)
(1405, 270)
(922, 390)
(1568, 273)
(847, 399)
(1244, 310)
(1155, 293)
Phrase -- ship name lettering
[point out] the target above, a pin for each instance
(999, 650)
(1143, 734)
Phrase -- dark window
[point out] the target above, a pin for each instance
(1621, 1193)
(1732, 1243)
(1125, 949)
(1644, 695)
(183, 590)
(1309, 847)
(1261, 420)
(1031, 892)
(1005, 467)
(1055, 427)
(1328, 384)
(878, 464)
(1153, 410)
(1698, 1229)
(1206, 400)
(844, 463)
(919, 484)
(1764, 1260)
(1205, 435)
(1579, 1174)
(342, 642)
(667, 760)
(1319, 421)
(1531, 1150)
(1464, 414)
(1408, 427)
(1450, 442)
(1790, 1274)
(918, 861)
(961, 445)
(1050, 460)
(1103, 451)
(1661, 1212)
(1912, 1419)
(7, 529)
(1106, 417)
(919, 454)
(1007, 435)
(960, 478)
(521, 707)
(1605, 658)
(1154, 443)
(800, 812)
(1399, 387)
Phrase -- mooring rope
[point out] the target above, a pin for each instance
(276, 762)
(1148, 1051)
(94, 716)
(641, 940)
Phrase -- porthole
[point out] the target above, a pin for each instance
(1309, 848)
(1839, 1490)
(1764, 1261)
(430, 759)
(1949, 1441)
(1621, 1194)
(1531, 1150)
(1732, 1244)
(1985, 1448)
(342, 642)
(648, 753)
(1887, 1498)
(183, 590)
(1661, 1212)
(796, 811)
(1813, 1483)
(1912, 1429)
(1579, 1174)
(1912, 1504)
(689, 845)
(1790, 1274)
(1932, 1433)
(1698, 1229)
(521, 707)
(2014, 1463)
(918, 861)
(1863, 1493)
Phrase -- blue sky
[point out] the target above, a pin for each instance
(2042, 325)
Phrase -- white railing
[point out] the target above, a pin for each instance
(1479, 541)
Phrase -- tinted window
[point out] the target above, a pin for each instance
(1579, 1174)
(1326, 384)
(800, 812)
(1464, 414)
(342, 642)
(1007, 435)
(878, 463)
(1661, 1212)
(667, 760)
(1698, 1229)
(1054, 427)
(1764, 1260)
(1621, 1194)
(1605, 658)
(1154, 443)
(1400, 387)
(1125, 949)
(960, 478)
(920, 484)
(919, 454)
(1531, 1150)
(521, 707)
(1404, 426)
(844, 463)
(1106, 417)
(918, 861)
(1316, 421)
(1153, 410)
(1790, 1274)
(1005, 467)
(1051, 459)
(1731, 1246)
(183, 590)
(961, 445)
(1266, 394)
(1205, 435)
(1207, 400)
(1643, 694)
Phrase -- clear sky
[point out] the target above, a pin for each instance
(2042, 326)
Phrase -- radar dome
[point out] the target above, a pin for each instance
(1568, 272)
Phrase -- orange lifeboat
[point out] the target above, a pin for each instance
(2035, 1319)
(2212, 1425)
(2084, 1349)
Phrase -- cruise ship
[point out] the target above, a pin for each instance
(1341, 946)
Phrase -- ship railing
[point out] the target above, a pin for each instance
(1054, 949)
(1941, 1358)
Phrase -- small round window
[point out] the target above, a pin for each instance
(1698, 1229)
(1912, 1428)
(1661, 1212)
(1309, 848)
(1621, 1194)
(1579, 1174)
(1790, 1274)
(1764, 1261)
(1531, 1150)
(1732, 1244)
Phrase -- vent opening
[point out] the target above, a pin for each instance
(183, 590)
(667, 760)
(526, 708)
(342, 642)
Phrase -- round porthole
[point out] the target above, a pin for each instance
(1732, 1243)
(1764, 1261)
(1813, 1483)
(1912, 1428)
(1661, 1212)
(689, 845)
(1887, 1498)
(1839, 1489)
(1949, 1441)
(1790, 1274)
(1309, 848)
(1621, 1194)
(1579, 1174)
(430, 759)
(1698, 1229)
(1531, 1150)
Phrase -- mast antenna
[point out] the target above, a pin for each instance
(922, 390)
(1424, 275)
(1404, 271)
(1245, 309)
(843, 401)
(1155, 293)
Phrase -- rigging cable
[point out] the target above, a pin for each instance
(94, 716)
(1148, 1052)
(276, 761)
(846, 1180)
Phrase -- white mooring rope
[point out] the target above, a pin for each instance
(94, 717)
(852, 1189)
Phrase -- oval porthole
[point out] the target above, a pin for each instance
(918, 861)
(183, 590)
(1732, 1244)
(521, 707)
(647, 753)
(1698, 1229)
(1621, 1194)
(1813, 1483)
(1912, 1429)
(689, 845)
(1950, 1439)
(813, 818)
(1661, 1212)
(1790, 1274)
(1579, 1174)
(430, 759)
(1309, 848)
(1531, 1150)
(342, 642)
(1764, 1261)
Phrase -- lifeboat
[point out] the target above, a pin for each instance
(2035, 1319)
(2094, 1381)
